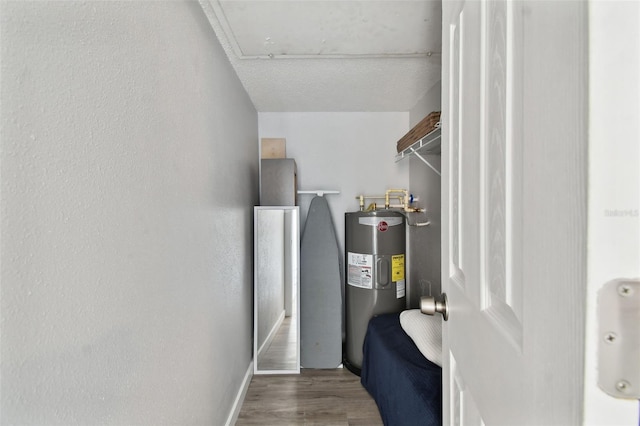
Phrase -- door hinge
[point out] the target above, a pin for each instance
(619, 338)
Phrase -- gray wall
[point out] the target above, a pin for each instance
(129, 170)
(424, 242)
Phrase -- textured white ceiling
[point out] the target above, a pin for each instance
(331, 55)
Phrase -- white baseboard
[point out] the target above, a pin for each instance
(274, 330)
(237, 404)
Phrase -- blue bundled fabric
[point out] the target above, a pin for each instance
(406, 386)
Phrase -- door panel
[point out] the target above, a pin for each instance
(464, 410)
(501, 167)
(513, 174)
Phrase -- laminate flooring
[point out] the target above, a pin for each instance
(281, 353)
(314, 397)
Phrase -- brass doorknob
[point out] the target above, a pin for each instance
(429, 306)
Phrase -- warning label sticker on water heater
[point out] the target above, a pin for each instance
(360, 270)
(397, 267)
(400, 289)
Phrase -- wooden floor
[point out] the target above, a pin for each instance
(282, 352)
(315, 397)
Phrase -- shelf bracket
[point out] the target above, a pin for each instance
(425, 161)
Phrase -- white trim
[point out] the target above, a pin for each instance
(242, 392)
(613, 249)
(270, 337)
(218, 21)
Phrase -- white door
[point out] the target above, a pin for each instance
(515, 157)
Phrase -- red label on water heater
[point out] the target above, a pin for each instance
(382, 226)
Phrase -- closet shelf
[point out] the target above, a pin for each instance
(428, 144)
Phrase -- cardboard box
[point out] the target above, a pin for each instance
(273, 148)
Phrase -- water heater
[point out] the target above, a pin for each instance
(375, 243)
